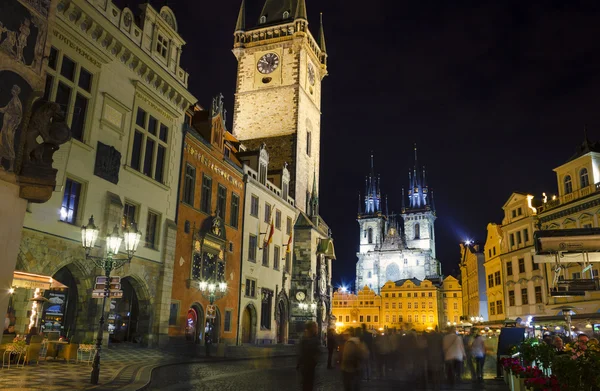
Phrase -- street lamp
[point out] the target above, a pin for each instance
(213, 288)
(89, 235)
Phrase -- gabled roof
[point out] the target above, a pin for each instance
(514, 194)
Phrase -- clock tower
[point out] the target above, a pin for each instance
(278, 90)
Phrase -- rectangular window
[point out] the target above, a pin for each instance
(196, 266)
(347, 318)
(152, 225)
(368, 318)
(512, 240)
(387, 319)
(235, 210)
(227, 325)
(70, 202)
(267, 213)
(254, 206)
(526, 235)
(205, 200)
(189, 184)
(524, 297)
(149, 151)
(445, 306)
(511, 298)
(129, 214)
(265, 254)
(173, 313)
(221, 201)
(455, 306)
(400, 305)
(288, 226)
(71, 89)
(430, 304)
(509, 269)
(409, 305)
(492, 308)
(423, 305)
(162, 46)
(497, 279)
(393, 306)
(288, 262)
(521, 265)
(538, 294)
(362, 319)
(252, 246)
(276, 255)
(519, 237)
(250, 288)
(376, 320)
(490, 280)
(534, 266)
(409, 318)
(499, 309)
(576, 276)
(308, 143)
(393, 318)
(278, 219)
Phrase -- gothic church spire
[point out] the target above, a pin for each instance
(241, 20)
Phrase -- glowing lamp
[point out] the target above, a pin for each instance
(131, 238)
(203, 285)
(222, 286)
(89, 234)
(588, 325)
(11, 291)
(113, 242)
(212, 287)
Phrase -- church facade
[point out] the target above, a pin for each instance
(394, 247)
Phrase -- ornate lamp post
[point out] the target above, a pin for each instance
(213, 289)
(89, 235)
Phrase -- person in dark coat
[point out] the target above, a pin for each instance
(308, 356)
(331, 345)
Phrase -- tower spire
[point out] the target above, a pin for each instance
(241, 20)
(359, 208)
(301, 10)
(321, 36)
(403, 204)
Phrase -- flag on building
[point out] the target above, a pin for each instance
(271, 232)
(289, 245)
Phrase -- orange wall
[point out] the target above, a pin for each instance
(183, 252)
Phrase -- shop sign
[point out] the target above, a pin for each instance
(31, 284)
(115, 283)
(211, 312)
(302, 318)
(100, 293)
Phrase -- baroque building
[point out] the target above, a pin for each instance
(473, 281)
(278, 103)
(493, 271)
(117, 77)
(393, 247)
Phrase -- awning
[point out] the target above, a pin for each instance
(560, 318)
(32, 281)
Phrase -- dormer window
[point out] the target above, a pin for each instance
(583, 178)
(568, 185)
(263, 19)
(286, 15)
(162, 46)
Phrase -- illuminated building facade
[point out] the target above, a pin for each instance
(394, 247)
(473, 280)
(354, 309)
(493, 271)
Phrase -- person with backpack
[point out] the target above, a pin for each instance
(355, 352)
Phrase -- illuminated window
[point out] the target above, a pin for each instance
(568, 184)
(583, 178)
(70, 203)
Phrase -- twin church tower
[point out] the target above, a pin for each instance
(396, 247)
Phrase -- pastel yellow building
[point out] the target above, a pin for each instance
(493, 271)
(410, 304)
(473, 281)
(353, 310)
(452, 301)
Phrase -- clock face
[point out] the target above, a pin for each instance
(300, 296)
(311, 74)
(268, 63)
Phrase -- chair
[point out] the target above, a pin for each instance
(86, 352)
(33, 353)
(69, 352)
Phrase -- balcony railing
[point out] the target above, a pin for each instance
(576, 287)
(574, 195)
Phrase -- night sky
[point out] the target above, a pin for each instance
(494, 95)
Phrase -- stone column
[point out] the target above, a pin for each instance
(165, 285)
(12, 215)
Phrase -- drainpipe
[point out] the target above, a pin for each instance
(237, 337)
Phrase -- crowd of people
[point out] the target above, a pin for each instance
(425, 359)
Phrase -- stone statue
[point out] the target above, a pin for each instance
(13, 114)
(46, 132)
(24, 32)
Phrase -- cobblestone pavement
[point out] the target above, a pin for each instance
(276, 374)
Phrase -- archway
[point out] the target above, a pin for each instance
(282, 323)
(59, 314)
(194, 332)
(212, 326)
(249, 324)
(134, 310)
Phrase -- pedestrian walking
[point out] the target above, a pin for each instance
(454, 355)
(478, 354)
(355, 352)
(308, 356)
(331, 345)
(367, 338)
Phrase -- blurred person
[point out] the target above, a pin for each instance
(308, 356)
(419, 373)
(32, 331)
(435, 360)
(582, 340)
(367, 339)
(467, 341)
(331, 345)
(355, 352)
(454, 354)
(558, 343)
(382, 351)
(478, 354)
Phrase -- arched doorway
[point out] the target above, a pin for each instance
(59, 314)
(194, 332)
(281, 322)
(213, 326)
(249, 324)
(123, 317)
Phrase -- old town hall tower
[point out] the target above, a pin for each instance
(278, 92)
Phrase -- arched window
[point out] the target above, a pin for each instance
(286, 15)
(370, 234)
(263, 19)
(417, 231)
(584, 180)
(568, 185)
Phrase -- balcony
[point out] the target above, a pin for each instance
(575, 195)
(578, 287)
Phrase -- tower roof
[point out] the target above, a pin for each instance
(585, 147)
(241, 20)
(277, 11)
(372, 192)
(322, 37)
(419, 197)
